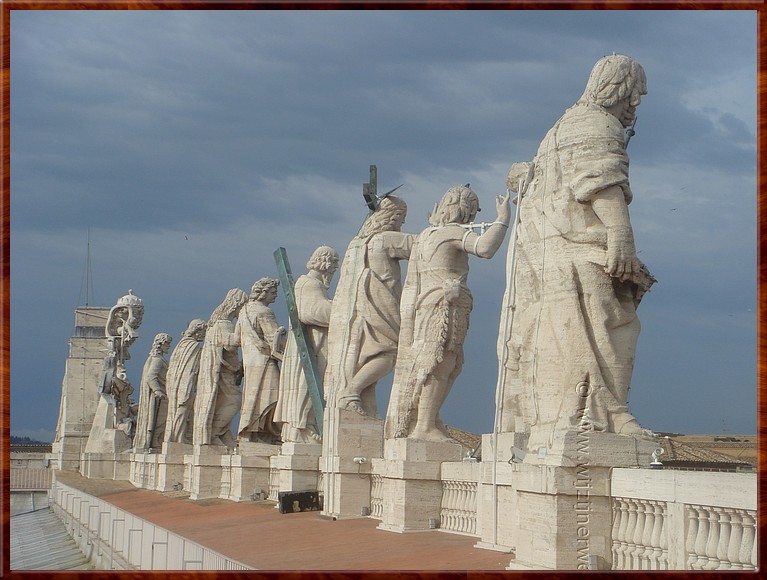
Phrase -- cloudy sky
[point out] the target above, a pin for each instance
(193, 144)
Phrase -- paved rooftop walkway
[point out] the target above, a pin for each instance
(39, 541)
(256, 534)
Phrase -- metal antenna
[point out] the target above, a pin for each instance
(87, 275)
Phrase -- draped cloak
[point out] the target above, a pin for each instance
(153, 379)
(183, 368)
(571, 338)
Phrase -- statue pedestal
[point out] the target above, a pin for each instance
(204, 464)
(170, 466)
(245, 476)
(554, 508)
(143, 469)
(412, 486)
(115, 466)
(296, 467)
(346, 482)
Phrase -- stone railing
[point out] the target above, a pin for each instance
(458, 510)
(376, 496)
(683, 520)
(117, 540)
(27, 479)
(274, 483)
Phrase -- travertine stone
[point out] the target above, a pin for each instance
(412, 486)
(105, 465)
(298, 465)
(114, 421)
(249, 471)
(346, 482)
(218, 392)
(263, 342)
(79, 388)
(205, 471)
(568, 324)
(144, 469)
(294, 406)
(181, 384)
(152, 413)
(170, 466)
(435, 307)
(365, 316)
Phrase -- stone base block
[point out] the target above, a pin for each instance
(561, 517)
(352, 442)
(143, 470)
(114, 466)
(205, 471)
(298, 466)
(170, 466)
(245, 476)
(417, 450)
(595, 448)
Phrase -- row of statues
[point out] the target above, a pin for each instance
(568, 325)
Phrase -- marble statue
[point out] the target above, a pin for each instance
(365, 318)
(183, 369)
(121, 331)
(569, 325)
(294, 406)
(153, 398)
(262, 341)
(435, 308)
(218, 390)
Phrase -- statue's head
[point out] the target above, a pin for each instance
(616, 82)
(265, 290)
(459, 205)
(196, 329)
(324, 260)
(229, 308)
(161, 343)
(389, 216)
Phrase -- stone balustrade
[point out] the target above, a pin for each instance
(376, 496)
(683, 520)
(115, 539)
(458, 512)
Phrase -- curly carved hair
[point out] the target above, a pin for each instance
(380, 220)
(323, 259)
(614, 78)
(159, 340)
(459, 205)
(195, 326)
(260, 287)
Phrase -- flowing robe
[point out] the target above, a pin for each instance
(365, 317)
(153, 379)
(218, 393)
(294, 404)
(183, 368)
(256, 328)
(570, 341)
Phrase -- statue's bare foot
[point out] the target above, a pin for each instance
(357, 407)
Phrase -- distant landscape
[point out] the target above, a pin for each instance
(15, 440)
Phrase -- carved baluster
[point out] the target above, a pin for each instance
(463, 524)
(646, 552)
(637, 549)
(692, 536)
(724, 538)
(736, 540)
(663, 538)
(618, 519)
(702, 540)
(747, 551)
(712, 562)
(473, 508)
(628, 532)
(654, 542)
(452, 505)
(444, 517)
